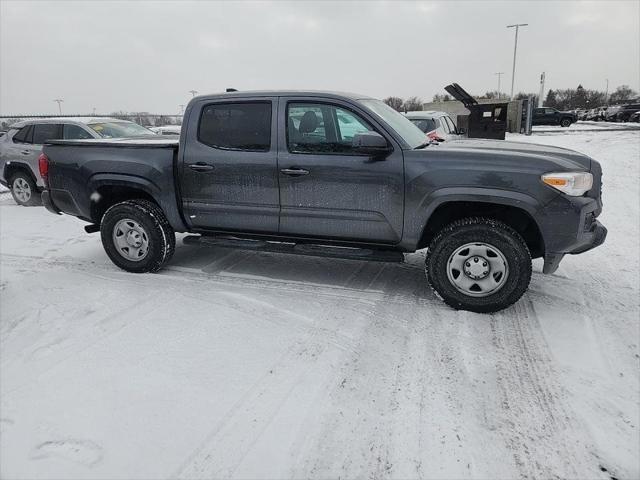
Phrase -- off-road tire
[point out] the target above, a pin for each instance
(161, 237)
(35, 193)
(489, 231)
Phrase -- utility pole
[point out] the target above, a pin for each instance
(515, 49)
(499, 74)
(94, 111)
(606, 93)
(541, 89)
(181, 109)
(193, 92)
(59, 101)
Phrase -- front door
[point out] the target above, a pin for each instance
(229, 178)
(328, 190)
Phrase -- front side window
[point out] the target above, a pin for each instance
(550, 111)
(452, 127)
(236, 126)
(42, 132)
(322, 128)
(74, 132)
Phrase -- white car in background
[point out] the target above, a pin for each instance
(21, 146)
(438, 126)
(167, 129)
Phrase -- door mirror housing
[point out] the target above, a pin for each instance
(370, 142)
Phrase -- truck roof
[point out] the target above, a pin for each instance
(284, 93)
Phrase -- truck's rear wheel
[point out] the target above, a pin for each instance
(479, 264)
(137, 236)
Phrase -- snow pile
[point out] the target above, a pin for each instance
(249, 365)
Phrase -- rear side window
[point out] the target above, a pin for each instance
(236, 126)
(46, 131)
(24, 135)
(74, 132)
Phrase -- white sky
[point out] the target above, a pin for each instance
(146, 56)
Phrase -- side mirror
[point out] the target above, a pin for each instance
(461, 131)
(370, 142)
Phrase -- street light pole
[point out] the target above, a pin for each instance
(181, 109)
(606, 93)
(499, 74)
(193, 92)
(515, 49)
(59, 101)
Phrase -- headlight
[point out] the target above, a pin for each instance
(571, 183)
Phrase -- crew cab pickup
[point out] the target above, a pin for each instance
(551, 116)
(334, 174)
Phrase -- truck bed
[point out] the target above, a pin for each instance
(82, 172)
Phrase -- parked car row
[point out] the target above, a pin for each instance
(613, 113)
(21, 146)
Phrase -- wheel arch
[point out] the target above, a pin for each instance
(514, 209)
(11, 168)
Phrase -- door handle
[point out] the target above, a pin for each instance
(200, 167)
(294, 172)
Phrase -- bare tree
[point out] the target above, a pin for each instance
(394, 102)
(622, 94)
(412, 104)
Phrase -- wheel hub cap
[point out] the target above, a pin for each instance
(21, 190)
(477, 269)
(130, 239)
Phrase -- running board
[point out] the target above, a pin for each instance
(312, 250)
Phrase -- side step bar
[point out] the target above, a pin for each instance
(312, 250)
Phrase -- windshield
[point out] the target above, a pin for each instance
(121, 129)
(402, 126)
(424, 124)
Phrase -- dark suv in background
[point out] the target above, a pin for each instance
(551, 116)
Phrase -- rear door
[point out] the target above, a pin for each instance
(327, 190)
(228, 170)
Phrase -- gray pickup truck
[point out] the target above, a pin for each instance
(342, 175)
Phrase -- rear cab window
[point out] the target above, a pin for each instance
(236, 126)
(425, 124)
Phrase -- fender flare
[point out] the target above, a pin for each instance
(168, 206)
(436, 198)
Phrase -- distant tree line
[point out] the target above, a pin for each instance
(562, 99)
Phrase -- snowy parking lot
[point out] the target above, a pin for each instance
(255, 365)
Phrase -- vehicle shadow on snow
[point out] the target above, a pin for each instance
(395, 279)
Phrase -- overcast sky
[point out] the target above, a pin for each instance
(146, 56)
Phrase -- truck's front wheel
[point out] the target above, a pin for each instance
(479, 264)
(137, 236)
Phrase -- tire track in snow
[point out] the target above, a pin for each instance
(537, 427)
(241, 428)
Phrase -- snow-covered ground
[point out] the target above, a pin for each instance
(253, 365)
(583, 126)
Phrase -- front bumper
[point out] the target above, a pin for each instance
(571, 227)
